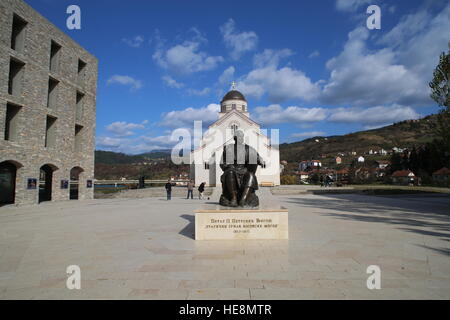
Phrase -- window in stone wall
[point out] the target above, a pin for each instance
(16, 71)
(12, 122)
(55, 50)
(78, 137)
(18, 33)
(50, 132)
(52, 93)
(79, 107)
(81, 71)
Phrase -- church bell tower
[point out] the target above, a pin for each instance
(233, 100)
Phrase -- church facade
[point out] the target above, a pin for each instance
(233, 116)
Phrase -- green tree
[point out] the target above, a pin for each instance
(440, 93)
(440, 83)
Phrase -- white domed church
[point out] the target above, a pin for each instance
(233, 116)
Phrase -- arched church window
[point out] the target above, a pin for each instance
(233, 106)
(206, 166)
(234, 128)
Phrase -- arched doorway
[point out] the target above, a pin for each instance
(8, 173)
(75, 182)
(46, 182)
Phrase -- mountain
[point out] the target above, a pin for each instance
(405, 134)
(109, 157)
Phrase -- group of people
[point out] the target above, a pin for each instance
(327, 182)
(190, 189)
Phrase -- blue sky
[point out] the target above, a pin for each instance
(306, 67)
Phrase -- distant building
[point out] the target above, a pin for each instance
(397, 150)
(382, 164)
(309, 164)
(442, 177)
(303, 175)
(233, 116)
(404, 177)
(47, 110)
(342, 175)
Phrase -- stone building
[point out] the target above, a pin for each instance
(205, 160)
(47, 110)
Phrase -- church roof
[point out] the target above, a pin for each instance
(239, 114)
(234, 95)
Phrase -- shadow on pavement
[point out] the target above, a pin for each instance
(422, 215)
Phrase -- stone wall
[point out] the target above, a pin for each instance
(28, 151)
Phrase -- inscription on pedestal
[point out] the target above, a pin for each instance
(219, 224)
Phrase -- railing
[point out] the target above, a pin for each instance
(110, 182)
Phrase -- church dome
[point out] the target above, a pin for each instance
(234, 95)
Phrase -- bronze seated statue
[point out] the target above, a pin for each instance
(239, 163)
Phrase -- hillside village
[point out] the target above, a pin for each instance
(364, 157)
(387, 155)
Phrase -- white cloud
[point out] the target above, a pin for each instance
(373, 116)
(133, 146)
(124, 129)
(227, 76)
(164, 140)
(351, 5)
(134, 42)
(314, 54)
(186, 57)
(308, 134)
(275, 114)
(399, 72)
(379, 115)
(172, 83)
(418, 39)
(280, 84)
(186, 117)
(238, 42)
(362, 78)
(126, 81)
(196, 92)
(109, 143)
(271, 57)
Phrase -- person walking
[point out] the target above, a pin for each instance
(169, 189)
(201, 189)
(190, 187)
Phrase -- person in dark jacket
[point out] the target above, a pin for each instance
(190, 187)
(169, 189)
(201, 189)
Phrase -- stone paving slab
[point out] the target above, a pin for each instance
(144, 249)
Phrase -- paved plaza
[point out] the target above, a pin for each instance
(144, 249)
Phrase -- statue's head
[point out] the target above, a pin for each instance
(239, 137)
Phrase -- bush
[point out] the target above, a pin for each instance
(286, 179)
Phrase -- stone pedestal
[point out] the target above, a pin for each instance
(214, 222)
